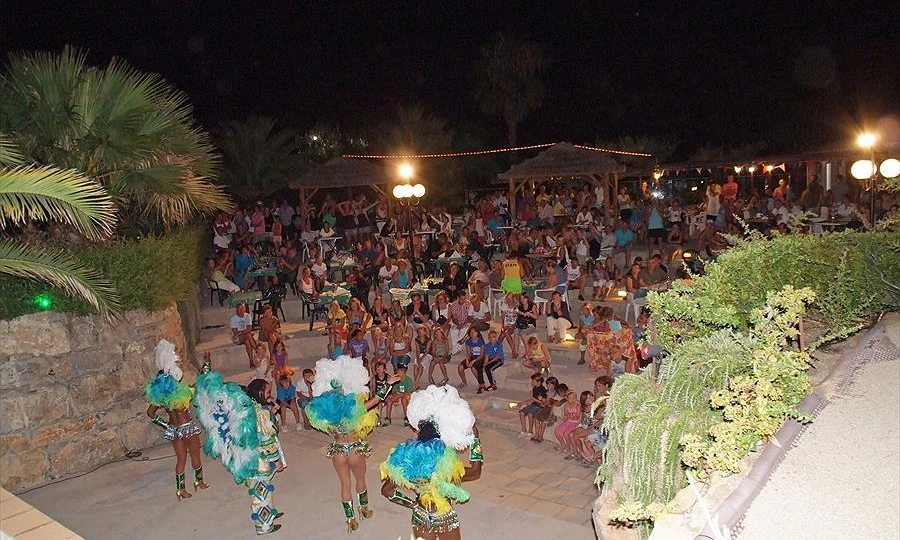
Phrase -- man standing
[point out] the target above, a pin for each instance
(286, 213)
(624, 239)
(459, 321)
(242, 330)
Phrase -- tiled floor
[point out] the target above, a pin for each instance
(21, 521)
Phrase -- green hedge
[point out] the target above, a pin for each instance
(149, 272)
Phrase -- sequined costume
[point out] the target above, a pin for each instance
(260, 486)
(182, 432)
(167, 391)
(240, 432)
(430, 466)
(339, 408)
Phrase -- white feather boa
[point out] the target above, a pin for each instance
(449, 412)
(345, 373)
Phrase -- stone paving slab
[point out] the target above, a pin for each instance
(134, 500)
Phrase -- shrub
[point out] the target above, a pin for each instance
(733, 372)
(149, 272)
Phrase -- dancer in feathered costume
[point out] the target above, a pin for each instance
(239, 431)
(342, 408)
(429, 465)
(166, 391)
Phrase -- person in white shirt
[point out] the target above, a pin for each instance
(843, 209)
(386, 273)
(575, 277)
(320, 271)
(584, 219)
(781, 213)
(599, 196)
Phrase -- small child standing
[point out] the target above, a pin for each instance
(556, 393)
(440, 350)
(380, 386)
(585, 321)
(474, 354)
(401, 394)
(320, 271)
(571, 418)
(359, 346)
(528, 412)
(286, 396)
(493, 354)
(305, 395)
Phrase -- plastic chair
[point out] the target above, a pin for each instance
(214, 288)
(635, 305)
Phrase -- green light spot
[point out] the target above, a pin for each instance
(43, 301)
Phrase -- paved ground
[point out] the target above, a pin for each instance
(841, 480)
(526, 491)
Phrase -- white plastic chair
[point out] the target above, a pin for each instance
(635, 305)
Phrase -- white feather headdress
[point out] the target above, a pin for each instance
(345, 373)
(167, 359)
(449, 412)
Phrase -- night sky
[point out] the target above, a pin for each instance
(794, 74)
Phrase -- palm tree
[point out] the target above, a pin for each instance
(31, 193)
(508, 80)
(130, 131)
(258, 158)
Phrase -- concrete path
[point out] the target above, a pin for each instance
(842, 480)
(526, 491)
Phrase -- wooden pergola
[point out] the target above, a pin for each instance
(342, 172)
(564, 160)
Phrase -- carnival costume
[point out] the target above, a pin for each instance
(240, 432)
(432, 468)
(338, 407)
(167, 391)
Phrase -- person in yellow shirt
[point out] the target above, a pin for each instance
(512, 274)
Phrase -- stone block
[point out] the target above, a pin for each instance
(140, 433)
(18, 371)
(62, 430)
(34, 409)
(83, 332)
(84, 452)
(22, 471)
(43, 333)
(15, 444)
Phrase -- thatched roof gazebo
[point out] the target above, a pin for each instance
(563, 160)
(342, 172)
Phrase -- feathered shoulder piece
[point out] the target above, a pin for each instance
(430, 468)
(164, 391)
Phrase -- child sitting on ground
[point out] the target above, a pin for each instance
(286, 397)
(528, 413)
(401, 394)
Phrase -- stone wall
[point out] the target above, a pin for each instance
(72, 391)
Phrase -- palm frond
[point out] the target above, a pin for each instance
(10, 156)
(46, 193)
(59, 270)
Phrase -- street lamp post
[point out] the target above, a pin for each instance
(409, 196)
(867, 141)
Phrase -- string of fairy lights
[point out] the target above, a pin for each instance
(491, 151)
